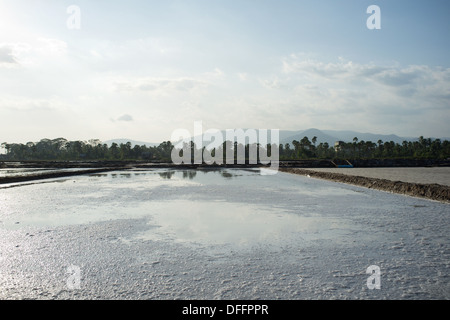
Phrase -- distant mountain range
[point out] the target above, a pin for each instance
(329, 136)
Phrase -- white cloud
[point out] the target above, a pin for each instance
(392, 76)
(13, 54)
(24, 104)
(159, 86)
(243, 76)
(42, 51)
(216, 74)
(125, 117)
(7, 55)
(271, 83)
(380, 82)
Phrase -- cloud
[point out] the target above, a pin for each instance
(125, 117)
(217, 73)
(243, 76)
(43, 51)
(23, 104)
(273, 83)
(52, 47)
(7, 55)
(402, 81)
(393, 76)
(399, 77)
(159, 86)
(310, 67)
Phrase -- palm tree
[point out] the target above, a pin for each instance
(355, 141)
(296, 147)
(305, 142)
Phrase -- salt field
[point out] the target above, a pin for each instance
(425, 175)
(218, 234)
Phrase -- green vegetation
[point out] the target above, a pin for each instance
(420, 149)
(62, 149)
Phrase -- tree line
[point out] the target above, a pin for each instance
(422, 148)
(62, 149)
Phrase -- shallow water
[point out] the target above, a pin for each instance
(208, 207)
(228, 233)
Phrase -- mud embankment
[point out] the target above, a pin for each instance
(51, 175)
(429, 191)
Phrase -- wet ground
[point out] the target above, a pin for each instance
(425, 175)
(223, 234)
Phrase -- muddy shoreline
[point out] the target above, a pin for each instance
(51, 175)
(429, 191)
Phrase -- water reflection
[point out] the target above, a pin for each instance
(98, 175)
(166, 174)
(190, 174)
(238, 224)
(226, 174)
(193, 174)
(186, 174)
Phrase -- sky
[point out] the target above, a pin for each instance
(143, 69)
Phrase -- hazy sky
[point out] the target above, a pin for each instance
(141, 69)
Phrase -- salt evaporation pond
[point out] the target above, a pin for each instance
(218, 234)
